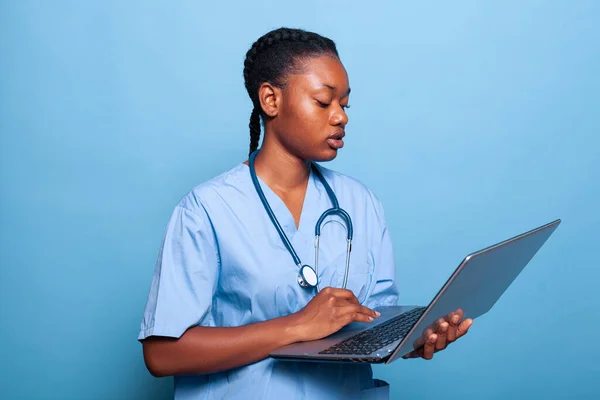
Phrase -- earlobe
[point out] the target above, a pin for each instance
(269, 97)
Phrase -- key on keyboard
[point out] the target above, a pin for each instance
(377, 337)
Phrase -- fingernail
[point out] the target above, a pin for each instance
(377, 313)
(370, 318)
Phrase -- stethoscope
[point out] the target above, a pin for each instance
(307, 276)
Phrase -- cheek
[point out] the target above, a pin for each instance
(303, 112)
(303, 125)
(307, 120)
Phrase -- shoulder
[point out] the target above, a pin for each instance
(349, 187)
(205, 194)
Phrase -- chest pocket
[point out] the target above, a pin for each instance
(332, 261)
(360, 274)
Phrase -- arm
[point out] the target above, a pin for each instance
(203, 350)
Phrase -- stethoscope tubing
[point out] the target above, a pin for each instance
(335, 210)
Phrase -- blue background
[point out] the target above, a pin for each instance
(471, 121)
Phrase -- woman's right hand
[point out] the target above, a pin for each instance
(328, 312)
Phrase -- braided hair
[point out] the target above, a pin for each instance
(272, 58)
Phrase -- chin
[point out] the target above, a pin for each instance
(324, 155)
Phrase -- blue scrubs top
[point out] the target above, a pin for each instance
(222, 263)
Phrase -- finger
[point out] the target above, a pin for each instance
(342, 302)
(420, 341)
(451, 314)
(368, 311)
(452, 328)
(341, 294)
(334, 301)
(449, 317)
(463, 328)
(414, 354)
(355, 317)
(433, 327)
(417, 344)
(353, 308)
(438, 322)
(349, 299)
(429, 347)
(441, 341)
(426, 333)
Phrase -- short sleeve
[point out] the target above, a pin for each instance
(385, 290)
(184, 277)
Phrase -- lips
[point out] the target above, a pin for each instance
(335, 141)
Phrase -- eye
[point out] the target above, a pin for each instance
(347, 106)
(322, 104)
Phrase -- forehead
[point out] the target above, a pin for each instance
(319, 71)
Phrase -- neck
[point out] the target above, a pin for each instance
(280, 169)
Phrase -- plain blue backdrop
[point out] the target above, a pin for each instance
(472, 122)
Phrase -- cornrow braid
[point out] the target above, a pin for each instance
(254, 129)
(272, 58)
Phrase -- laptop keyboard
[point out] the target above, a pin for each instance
(377, 337)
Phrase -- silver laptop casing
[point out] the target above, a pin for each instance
(475, 286)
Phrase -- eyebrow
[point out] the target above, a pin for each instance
(333, 88)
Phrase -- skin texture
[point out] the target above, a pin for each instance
(301, 118)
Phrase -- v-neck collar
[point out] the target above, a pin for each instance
(281, 211)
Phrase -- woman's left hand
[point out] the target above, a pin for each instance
(438, 336)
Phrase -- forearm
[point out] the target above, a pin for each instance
(202, 350)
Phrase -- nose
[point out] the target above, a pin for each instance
(339, 117)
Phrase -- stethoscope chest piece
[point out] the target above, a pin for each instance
(307, 277)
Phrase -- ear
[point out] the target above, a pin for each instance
(270, 99)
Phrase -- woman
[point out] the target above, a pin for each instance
(225, 291)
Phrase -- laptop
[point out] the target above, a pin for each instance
(475, 286)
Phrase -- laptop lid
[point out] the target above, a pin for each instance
(478, 282)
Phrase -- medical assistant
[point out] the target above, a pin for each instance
(222, 263)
